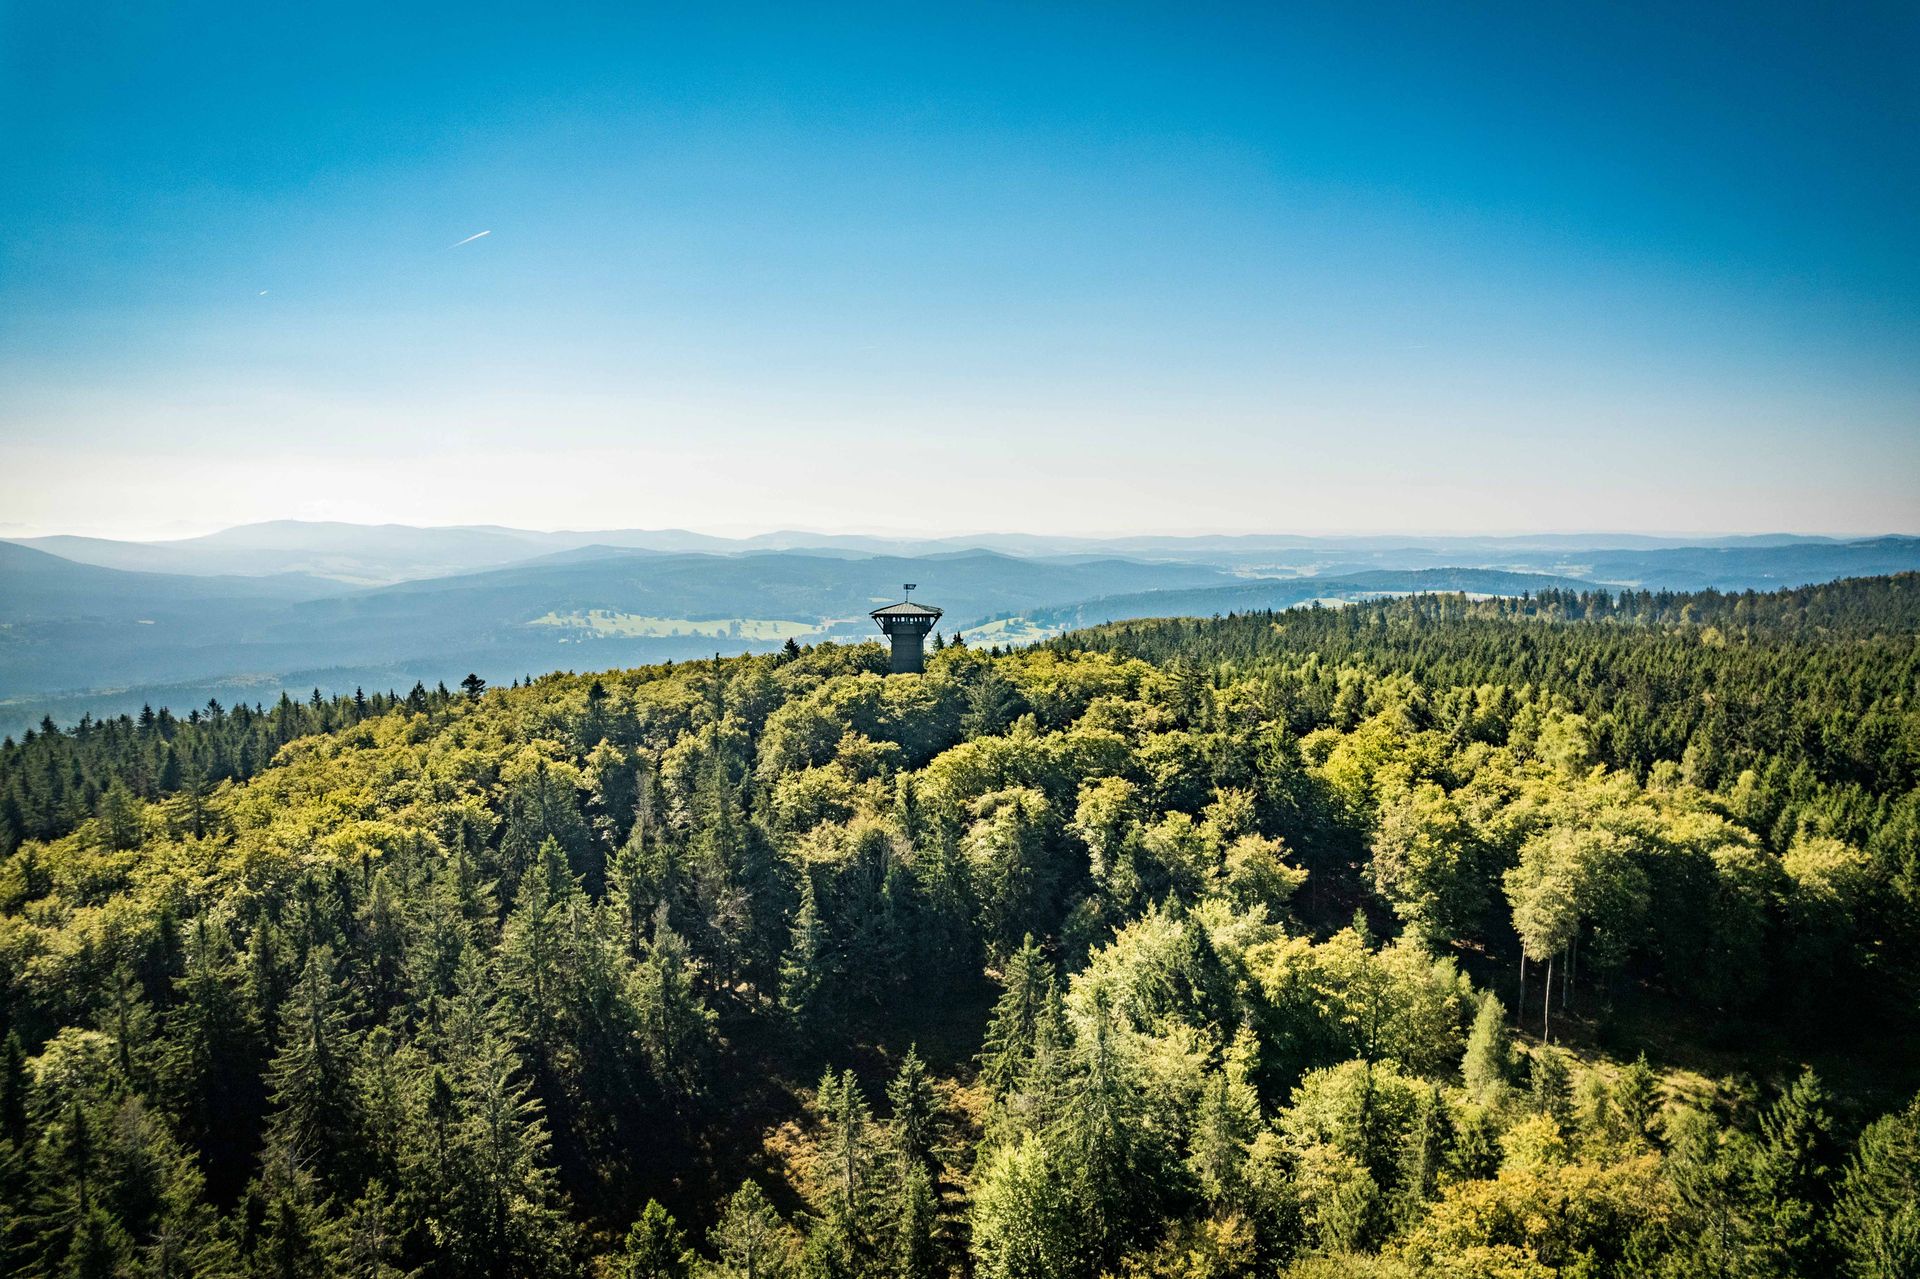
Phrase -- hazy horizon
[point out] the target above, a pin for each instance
(188, 530)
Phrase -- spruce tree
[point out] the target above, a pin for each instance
(631, 894)
(1637, 1098)
(845, 1186)
(1046, 1088)
(211, 1057)
(1550, 1084)
(802, 975)
(914, 1250)
(291, 1236)
(1876, 1218)
(100, 1249)
(912, 1100)
(506, 1214)
(750, 1241)
(531, 953)
(128, 1020)
(1025, 1219)
(1107, 1144)
(1703, 1174)
(13, 1090)
(1487, 1067)
(1426, 1154)
(1790, 1180)
(120, 818)
(1010, 1029)
(1223, 1126)
(675, 1025)
(1476, 1150)
(655, 1247)
(315, 1121)
(380, 946)
(368, 1241)
(264, 977)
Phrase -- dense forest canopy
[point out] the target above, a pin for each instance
(1428, 937)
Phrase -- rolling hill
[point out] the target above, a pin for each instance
(1267, 593)
(89, 625)
(76, 638)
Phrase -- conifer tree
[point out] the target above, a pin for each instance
(992, 705)
(530, 956)
(1010, 1029)
(120, 818)
(1790, 1177)
(286, 1231)
(1704, 1172)
(505, 1214)
(631, 895)
(846, 1184)
(13, 1091)
(1876, 1218)
(1487, 1067)
(265, 977)
(211, 1057)
(1549, 1084)
(1114, 1170)
(316, 1119)
(1637, 1098)
(655, 1247)
(676, 1027)
(128, 1019)
(802, 975)
(540, 807)
(100, 1249)
(911, 1098)
(383, 1084)
(750, 1241)
(380, 948)
(368, 1242)
(1223, 1127)
(75, 1155)
(914, 1249)
(1025, 1222)
(1427, 1152)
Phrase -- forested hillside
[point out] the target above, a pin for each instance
(96, 627)
(75, 638)
(1573, 935)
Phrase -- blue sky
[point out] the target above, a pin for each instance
(1081, 268)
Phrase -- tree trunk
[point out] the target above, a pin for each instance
(1520, 1009)
(1546, 1004)
(1572, 972)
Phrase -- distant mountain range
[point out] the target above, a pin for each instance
(381, 554)
(92, 625)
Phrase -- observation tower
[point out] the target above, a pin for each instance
(907, 624)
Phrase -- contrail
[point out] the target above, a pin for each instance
(469, 240)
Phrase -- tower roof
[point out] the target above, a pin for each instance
(906, 608)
